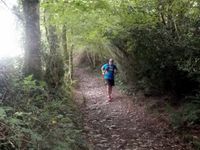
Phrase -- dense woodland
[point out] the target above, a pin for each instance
(155, 43)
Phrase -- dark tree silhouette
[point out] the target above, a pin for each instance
(32, 38)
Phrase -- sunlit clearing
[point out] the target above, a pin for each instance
(9, 35)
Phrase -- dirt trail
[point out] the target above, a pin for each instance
(122, 124)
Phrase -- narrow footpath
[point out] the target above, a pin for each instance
(122, 124)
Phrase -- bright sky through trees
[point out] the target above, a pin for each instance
(9, 33)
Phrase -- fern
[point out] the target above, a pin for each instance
(40, 120)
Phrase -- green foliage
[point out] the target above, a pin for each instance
(33, 118)
(187, 115)
(156, 46)
(160, 54)
(156, 40)
(54, 74)
(85, 27)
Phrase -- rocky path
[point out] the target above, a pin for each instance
(122, 124)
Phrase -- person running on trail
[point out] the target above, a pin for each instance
(109, 70)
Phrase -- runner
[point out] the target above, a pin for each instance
(109, 70)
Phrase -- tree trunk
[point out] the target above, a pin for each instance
(53, 40)
(64, 42)
(32, 64)
(55, 65)
(71, 68)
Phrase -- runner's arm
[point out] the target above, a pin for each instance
(103, 69)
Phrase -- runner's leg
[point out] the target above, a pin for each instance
(109, 91)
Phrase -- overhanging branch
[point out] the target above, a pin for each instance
(5, 4)
(12, 11)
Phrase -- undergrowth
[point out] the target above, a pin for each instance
(33, 118)
(185, 119)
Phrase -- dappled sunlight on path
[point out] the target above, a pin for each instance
(120, 124)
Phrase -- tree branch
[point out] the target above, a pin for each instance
(5, 4)
(12, 11)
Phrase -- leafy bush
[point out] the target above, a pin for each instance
(33, 118)
(157, 60)
(188, 114)
(157, 46)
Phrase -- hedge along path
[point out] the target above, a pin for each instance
(122, 124)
